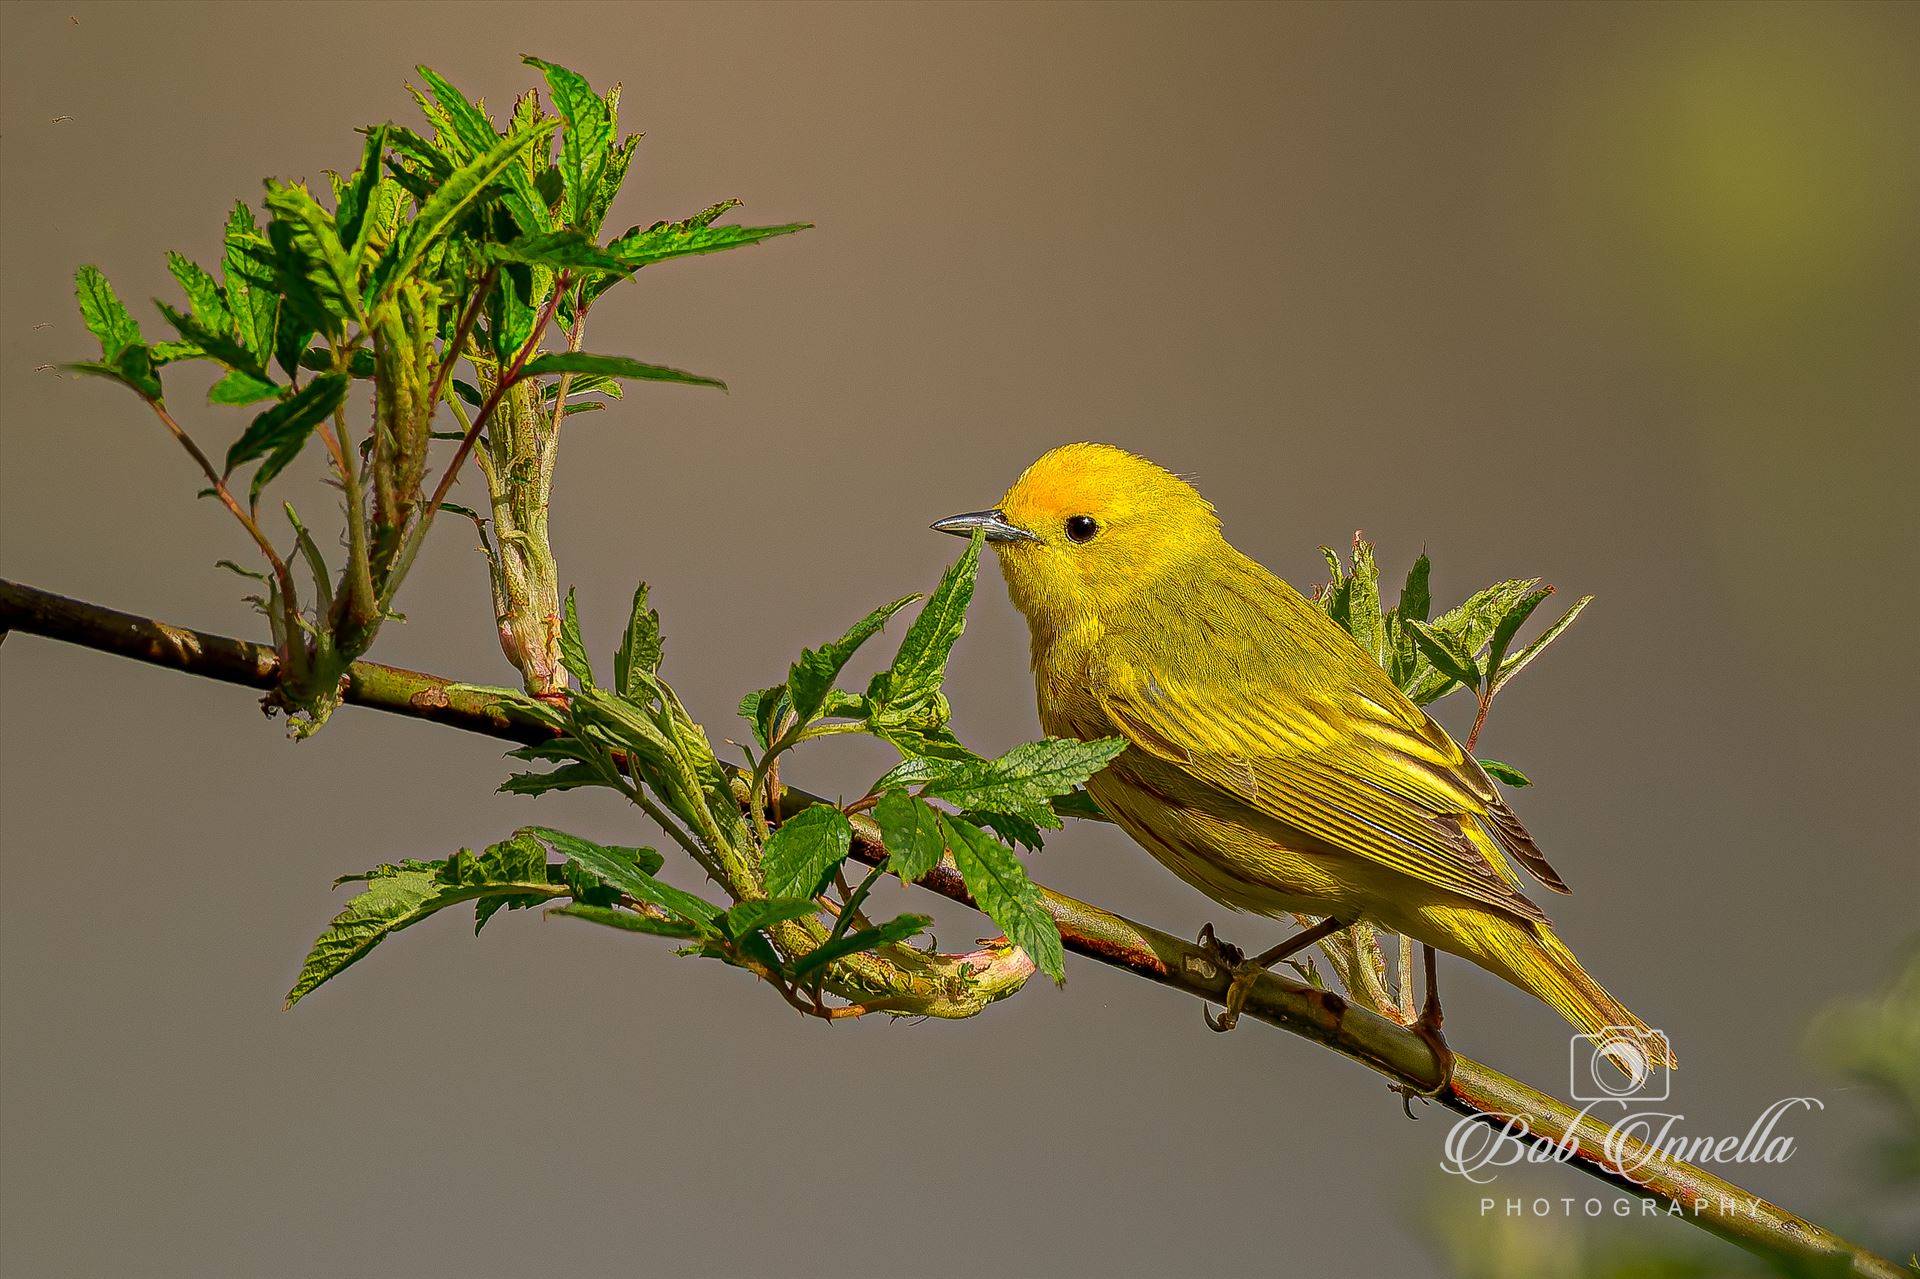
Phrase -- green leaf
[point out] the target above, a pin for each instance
(315, 268)
(203, 294)
(1518, 662)
(920, 665)
(1000, 885)
(894, 930)
(249, 292)
(281, 431)
(617, 162)
(811, 678)
(1363, 603)
(1506, 773)
(238, 387)
(566, 777)
(1027, 775)
(476, 134)
(511, 312)
(910, 828)
(587, 141)
(106, 319)
(751, 917)
(802, 854)
(573, 650)
(1510, 624)
(1439, 650)
(1081, 805)
(665, 240)
(321, 359)
(617, 870)
(561, 250)
(1416, 597)
(626, 919)
(615, 366)
(134, 369)
(456, 196)
(637, 660)
(759, 709)
(399, 896)
(220, 346)
(354, 204)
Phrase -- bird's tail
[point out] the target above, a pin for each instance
(1531, 957)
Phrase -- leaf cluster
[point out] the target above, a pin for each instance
(464, 243)
(1470, 646)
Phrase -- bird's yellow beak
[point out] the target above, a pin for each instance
(992, 523)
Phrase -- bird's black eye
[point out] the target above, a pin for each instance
(1081, 528)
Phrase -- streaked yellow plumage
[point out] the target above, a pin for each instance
(1272, 763)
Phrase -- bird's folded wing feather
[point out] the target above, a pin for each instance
(1360, 770)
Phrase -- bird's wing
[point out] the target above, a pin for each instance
(1350, 763)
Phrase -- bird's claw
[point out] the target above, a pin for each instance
(1428, 1030)
(1234, 960)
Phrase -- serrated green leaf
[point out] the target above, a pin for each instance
(279, 433)
(453, 198)
(477, 137)
(910, 828)
(615, 366)
(203, 294)
(1079, 804)
(565, 249)
(356, 200)
(567, 777)
(1416, 597)
(1363, 603)
(1518, 662)
(1509, 626)
(1506, 773)
(315, 267)
(228, 350)
(803, 852)
(811, 678)
(1439, 650)
(1020, 829)
(920, 666)
(1027, 775)
(250, 298)
(238, 387)
(573, 650)
(637, 660)
(759, 709)
(748, 917)
(887, 934)
(613, 917)
(608, 866)
(664, 240)
(105, 318)
(511, 311)
(587, 141)
(399, 896)
(617, 162)
(1000, 886)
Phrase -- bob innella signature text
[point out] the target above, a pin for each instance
(1479, 1146)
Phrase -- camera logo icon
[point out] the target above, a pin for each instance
(1618, 1063)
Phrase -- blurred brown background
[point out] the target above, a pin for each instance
(1620, 296)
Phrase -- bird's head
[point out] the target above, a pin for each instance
(1086, 528)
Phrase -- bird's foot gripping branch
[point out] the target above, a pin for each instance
(472, 245)
(792, 916)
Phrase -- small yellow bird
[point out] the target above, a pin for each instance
(1271, 763)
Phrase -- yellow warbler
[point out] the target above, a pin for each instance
(1271, 763)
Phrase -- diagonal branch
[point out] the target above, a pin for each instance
(1323, 1016)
